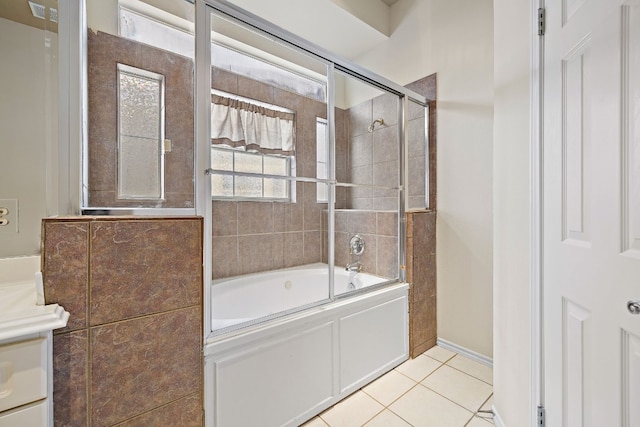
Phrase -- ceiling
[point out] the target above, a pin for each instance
(347, 28)
(19, 11)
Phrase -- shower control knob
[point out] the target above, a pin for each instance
(633, 307)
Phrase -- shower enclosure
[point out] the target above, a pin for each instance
(296, 151)
(302, 164)
(292, 199)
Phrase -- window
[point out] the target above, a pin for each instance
(252, 145)
(240, 174)
(140, 134)
(322, 159)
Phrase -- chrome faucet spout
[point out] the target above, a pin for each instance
(354, 267)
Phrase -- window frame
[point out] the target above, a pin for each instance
(142, 74)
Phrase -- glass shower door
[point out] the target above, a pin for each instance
(368, 190)
(268, 176)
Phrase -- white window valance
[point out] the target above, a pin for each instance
(238, 123)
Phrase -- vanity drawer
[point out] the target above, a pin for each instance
(26, 416)
(23, 373)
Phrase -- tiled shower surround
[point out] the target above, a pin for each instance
(421, 273)
(104, 52)
(131, 354)
(250, 237)
(379, 230)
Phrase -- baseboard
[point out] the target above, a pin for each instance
(496, 417)
(480, 358)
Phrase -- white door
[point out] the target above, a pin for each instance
(591, 259)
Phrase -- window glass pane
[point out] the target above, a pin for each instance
(246, 186)
(140, 103)
(275, 188)
(321, 159)
(250, 163)
(275, 166)
(222, 160)
(138, 179)
(140, 133)
(321, 192)
(222, 185)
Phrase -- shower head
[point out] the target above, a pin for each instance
(372, 126)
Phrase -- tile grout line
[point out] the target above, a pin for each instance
(474, 413)
(445, 397)
(457, 369)
(456, 403)
(396, 399)
(467, 373)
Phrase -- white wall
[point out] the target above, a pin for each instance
(454, 38)
(28, 122)
(511, 211)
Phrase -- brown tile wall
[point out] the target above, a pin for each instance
(131, 354)
(373, 156)
(421, 275)
(104, 52)
(379, 231)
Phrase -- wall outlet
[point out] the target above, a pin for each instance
(9, 215)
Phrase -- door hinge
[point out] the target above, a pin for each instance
(541, 421)
(541, 21)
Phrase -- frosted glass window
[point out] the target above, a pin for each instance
(246, 175)
(322, 154)
(140, 134)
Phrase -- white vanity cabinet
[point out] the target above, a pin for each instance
(24, 381)
(26, 357)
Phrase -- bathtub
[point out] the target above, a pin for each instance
(242, 299)
(284, 370)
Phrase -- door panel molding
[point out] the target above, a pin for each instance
(575, 337)
(630, 369)
(575, 147)
(630, 129)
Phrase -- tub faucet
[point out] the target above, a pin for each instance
(354, 267)
(356, 248)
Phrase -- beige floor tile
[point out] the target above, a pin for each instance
(459, 387)
(421, 407)
(315, 422)
(473, 368)
(355, 410)
(387, 418)
(389, 387)
(417, 369)
(478, 422)
(439, 353)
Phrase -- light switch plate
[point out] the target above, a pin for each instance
(11, 205)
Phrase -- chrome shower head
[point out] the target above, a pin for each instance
(372, 126)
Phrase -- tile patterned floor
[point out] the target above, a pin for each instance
(436, 389)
